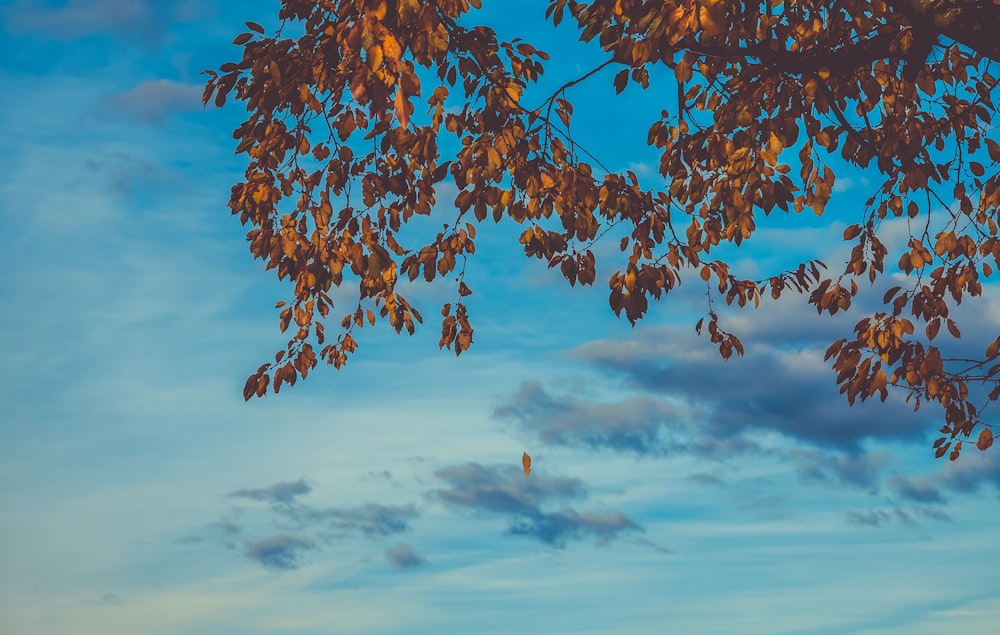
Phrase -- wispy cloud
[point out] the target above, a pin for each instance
(633, 424)
(312, 526)
(556, 528)
(371, 520)
(152, 101)
(855, 469)
(278, 493)
(919, 489)
(502, 490)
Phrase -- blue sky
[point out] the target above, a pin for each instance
(670, 490)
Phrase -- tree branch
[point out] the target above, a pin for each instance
(971, 23)
(839, 62)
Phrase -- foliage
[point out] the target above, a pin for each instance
(354, 125)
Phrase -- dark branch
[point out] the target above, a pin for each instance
(971, 23)
(838, 62)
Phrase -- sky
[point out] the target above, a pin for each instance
(670, 490)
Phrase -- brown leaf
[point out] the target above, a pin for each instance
(993, 148)
(985, 439)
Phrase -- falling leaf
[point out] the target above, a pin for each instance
(526, 462)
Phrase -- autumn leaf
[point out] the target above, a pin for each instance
(401, 105)
(391, 47)
(526, 463)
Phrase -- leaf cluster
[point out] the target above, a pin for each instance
(354, 125)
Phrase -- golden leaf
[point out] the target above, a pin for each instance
(513, 91)
(391, 47)
(810, 88)
(375, 57)
(526, 462)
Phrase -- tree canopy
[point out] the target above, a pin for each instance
(365, 108)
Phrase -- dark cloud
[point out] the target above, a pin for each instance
(652, 545)
(973, 471)
(895, 514)
(878, 517)
(855, 469)
(403, 556)
(704, 478)
(919, 490)
(704, 443)
(686, 399)
(692, 402)
(789, 390)
(135, 20)
(371, 520)
(780, 400)
(279, 493)
(782, 383)
(554, 529)
(502, 490)
(282, 552)
(126, 173)
(933, 514)
(152, 101)
(761, 506)
(228, 527)
(633, 424)
(312, 526)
